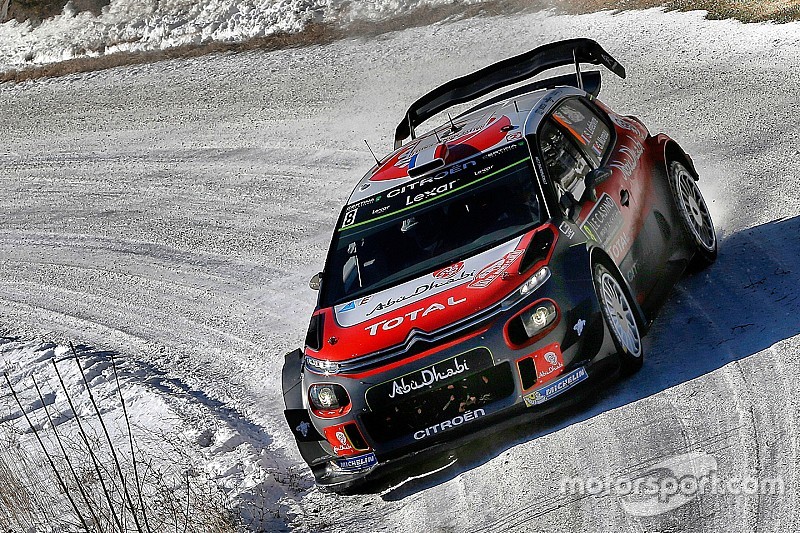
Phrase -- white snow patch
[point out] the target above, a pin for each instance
(134, 25)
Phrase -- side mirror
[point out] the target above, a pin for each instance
(592, 180)
(568, 204)
(316, 281)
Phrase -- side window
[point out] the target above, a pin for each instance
(584, 126)
(565, 163)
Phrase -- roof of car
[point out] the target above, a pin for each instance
(476, 131)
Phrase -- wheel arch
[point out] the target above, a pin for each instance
(674, 152)
(597, 254)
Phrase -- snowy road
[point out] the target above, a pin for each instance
(174, 212)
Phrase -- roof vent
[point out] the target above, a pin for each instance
(427, 160)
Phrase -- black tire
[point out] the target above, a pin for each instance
(620, 316)
(695, 217)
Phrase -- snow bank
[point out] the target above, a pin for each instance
(134, 25)
(178, 447)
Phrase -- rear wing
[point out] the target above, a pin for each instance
(502, 74)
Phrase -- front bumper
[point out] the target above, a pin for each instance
(460, 385)
(467, 444)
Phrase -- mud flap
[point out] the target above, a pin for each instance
(305, 434)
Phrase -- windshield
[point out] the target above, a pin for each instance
(432, 222)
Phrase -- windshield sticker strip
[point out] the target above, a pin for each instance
(350, 220)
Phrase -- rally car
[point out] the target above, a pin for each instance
(496, 264)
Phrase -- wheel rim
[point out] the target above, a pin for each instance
(693, 208)
(620, 315)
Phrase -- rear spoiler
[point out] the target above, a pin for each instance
(502, 74)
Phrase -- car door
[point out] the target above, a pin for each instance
(577, 138)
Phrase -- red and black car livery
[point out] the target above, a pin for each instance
(491, 265)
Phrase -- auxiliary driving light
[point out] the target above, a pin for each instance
(538, 318)
(328, 399)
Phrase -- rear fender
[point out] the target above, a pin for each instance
(672, 151)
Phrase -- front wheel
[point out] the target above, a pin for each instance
(695, 218)
(619, 314)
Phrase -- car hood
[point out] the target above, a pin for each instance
(427, 303)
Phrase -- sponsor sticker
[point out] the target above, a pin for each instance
(432, 186)
(303, 428)
(337, 437)
(360, 462)
(604, 221)
(566, 229)
(485, 277)
(625, 123)
(628, 158)
(620, 246)
(427, 289)
(450, 271)
(553, 389)
(429, 376)
(449, 424)
(391, 323)
(548, 362)
(632, 271)
(572, 115)
(451, 369)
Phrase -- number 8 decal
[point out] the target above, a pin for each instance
(349, 218)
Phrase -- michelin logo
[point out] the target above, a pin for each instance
(548, 392)
(357, 463)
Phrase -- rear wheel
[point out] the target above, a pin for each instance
(695, 218)
(620, 316)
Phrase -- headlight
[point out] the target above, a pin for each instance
(535, 281)
(321, 366)
(538, 318)
(327, 397)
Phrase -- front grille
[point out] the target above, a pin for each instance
(419, 341)
(402, 416)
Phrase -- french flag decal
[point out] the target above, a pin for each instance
(427, 160)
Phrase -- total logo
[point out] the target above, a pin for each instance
(620, 245)
(386, 325)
